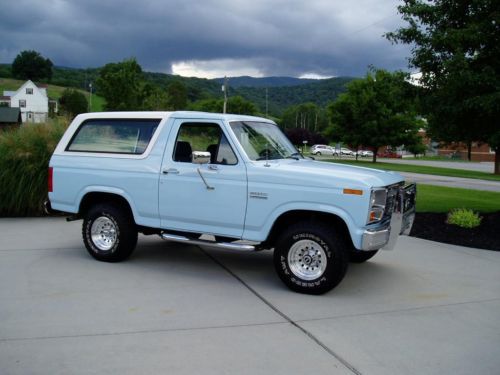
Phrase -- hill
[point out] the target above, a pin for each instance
(247, 81)
(282, 92)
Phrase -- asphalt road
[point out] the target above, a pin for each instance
(486, 166)
(465, 183)
(424, 308)
(459, 182)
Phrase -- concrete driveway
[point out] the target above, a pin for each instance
(424, 308)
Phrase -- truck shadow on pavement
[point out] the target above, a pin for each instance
(164, 261)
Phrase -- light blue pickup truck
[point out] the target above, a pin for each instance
(227, 181)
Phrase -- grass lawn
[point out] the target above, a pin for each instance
(422, 169)
(53, 92)
(432, 198)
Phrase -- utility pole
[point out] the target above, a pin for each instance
(90, 97)
(224, 89)
(267, 106)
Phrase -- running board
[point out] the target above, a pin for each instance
(219, 245)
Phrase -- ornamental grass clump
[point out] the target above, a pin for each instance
(464, 218)
(24, 158)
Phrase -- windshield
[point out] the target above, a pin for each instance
(263, 141)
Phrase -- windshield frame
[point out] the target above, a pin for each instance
(278, 147)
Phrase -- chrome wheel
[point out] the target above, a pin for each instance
(307, 259)
(103, 233)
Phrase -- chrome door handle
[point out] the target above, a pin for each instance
(170, 171)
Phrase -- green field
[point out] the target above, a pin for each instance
(53, 91)
(432, 198)
(450, 172)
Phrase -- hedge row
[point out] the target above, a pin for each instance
(24, 158)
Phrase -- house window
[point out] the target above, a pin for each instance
(29, 91)
(22, 103)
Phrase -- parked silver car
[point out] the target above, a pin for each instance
(365, 153)
(323, 150)
(346, 151)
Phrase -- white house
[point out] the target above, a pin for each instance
(31, 99)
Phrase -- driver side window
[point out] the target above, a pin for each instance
(209, 137)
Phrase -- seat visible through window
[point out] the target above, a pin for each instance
(183, 152)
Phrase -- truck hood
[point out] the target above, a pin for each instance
(325, 174)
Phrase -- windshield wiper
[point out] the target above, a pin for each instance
(295, 155)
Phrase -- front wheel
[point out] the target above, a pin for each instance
(109, 233)
(311, 258)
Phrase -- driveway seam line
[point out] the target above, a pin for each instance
(147, 331)
(396, 311)
(283, 315)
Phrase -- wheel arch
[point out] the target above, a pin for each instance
(293, 216)
(96, 197)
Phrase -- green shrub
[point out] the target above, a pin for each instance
(24, 158)
(464, 217)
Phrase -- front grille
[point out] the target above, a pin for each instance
(392, 197)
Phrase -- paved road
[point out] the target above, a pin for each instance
(425, 308)
(470, 166)
(466, 183)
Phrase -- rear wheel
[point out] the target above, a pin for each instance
(311, 258)
(357, 256)
(109, 233)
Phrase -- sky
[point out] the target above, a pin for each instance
(210, 38)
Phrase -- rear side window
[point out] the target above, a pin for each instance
(117, 136)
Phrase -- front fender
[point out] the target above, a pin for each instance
(261, 233)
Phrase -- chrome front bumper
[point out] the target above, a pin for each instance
(385, 234)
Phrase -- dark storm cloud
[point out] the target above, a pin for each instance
(274, 37)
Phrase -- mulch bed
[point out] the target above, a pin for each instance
(433, 226)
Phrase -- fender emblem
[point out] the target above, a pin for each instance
(258, 195)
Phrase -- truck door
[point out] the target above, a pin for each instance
(204, 198)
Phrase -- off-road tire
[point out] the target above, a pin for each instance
(124, 232)
(334, 252)
(357, 256)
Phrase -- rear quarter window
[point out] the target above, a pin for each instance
(117, 136)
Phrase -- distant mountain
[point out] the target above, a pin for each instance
(282, 92)
(320, 92)
(247, 81)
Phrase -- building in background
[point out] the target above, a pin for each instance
(32, 101)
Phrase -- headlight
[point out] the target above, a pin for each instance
(378, 200)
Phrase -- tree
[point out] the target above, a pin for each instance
(177, 95)
(456, 47)
(298, 135)
(236, 105)
(121, 85)
(31, 65)
(207, 105)
(376, 111)
(154, 98)
(240, 106)
(73, 102)
(306, 116)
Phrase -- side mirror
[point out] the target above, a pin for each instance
(200, 157)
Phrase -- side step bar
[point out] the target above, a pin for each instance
(220, 245)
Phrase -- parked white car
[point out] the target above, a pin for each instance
(323, 150)
(365, 153)
(346, 151)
